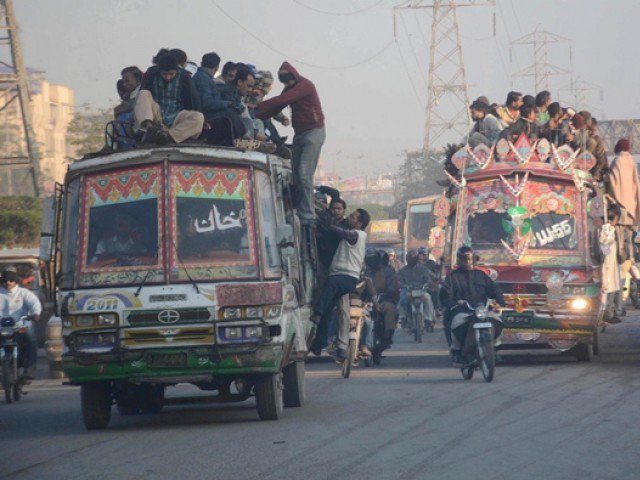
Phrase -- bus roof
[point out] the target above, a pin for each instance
(191, 152)
(429, 199)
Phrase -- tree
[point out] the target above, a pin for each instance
(20, 221)
(376, 211)
(418, 176)
(86, 130)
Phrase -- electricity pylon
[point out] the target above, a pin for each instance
(14, 83)
(447, 110)
(541, 69)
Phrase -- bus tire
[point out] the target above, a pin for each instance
(583, 352)
(269, 402)
(293, 381)
(96, 405)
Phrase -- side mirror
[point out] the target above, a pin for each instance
(47, 229)
(284, 236)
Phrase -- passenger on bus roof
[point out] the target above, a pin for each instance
(223, 123)
(486, 128)
(166, 107)
(242, 83)
(131, 80)
(554, 130)
(228, 73)
(308, 124)
(543, 100)
(525, 124)
(510, 111)
(598, 148)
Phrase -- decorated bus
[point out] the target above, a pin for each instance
(531, 213)
(181, 264)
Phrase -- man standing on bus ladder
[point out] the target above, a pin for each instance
(307, 120)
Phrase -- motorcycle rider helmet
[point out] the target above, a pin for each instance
(423, 251)
(462, 255)
(412, 258)
(372, 258)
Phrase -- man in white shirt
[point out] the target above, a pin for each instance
(17, 302)
(344, 274)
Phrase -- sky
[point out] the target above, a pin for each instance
(372, 83)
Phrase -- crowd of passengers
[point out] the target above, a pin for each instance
(175, 101)
(540, 117)
(537, 117)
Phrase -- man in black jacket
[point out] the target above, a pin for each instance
(466, 284)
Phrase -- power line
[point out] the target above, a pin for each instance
(280, 52)
(516, 16)
(413, 50)
(406, 69)
(338, 14)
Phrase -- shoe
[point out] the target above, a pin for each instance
(283, 152)
(364, 351)
(456, 358)
(317, 351)
(341, 354)
(266, 147)
(614, 320)
(331, 349)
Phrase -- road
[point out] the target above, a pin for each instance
(544, 416)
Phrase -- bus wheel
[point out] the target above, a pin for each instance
(269, 401)
(583, 352)
(96, 405)
(596, 342)
(294, 384)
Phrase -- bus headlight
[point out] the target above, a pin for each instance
(481, 312)
(107, 319)
(85, 321)
(579, 304)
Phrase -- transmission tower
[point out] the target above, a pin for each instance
(447, 110)
(541, 69)
(579, 90)
(14, 85)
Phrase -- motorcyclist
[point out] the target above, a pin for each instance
(414, 276)
(465, 283)
(427, 261)
(385, 283)
(17, 302)
(423, 259)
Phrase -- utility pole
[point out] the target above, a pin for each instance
(14, 82)
(447, 110)
(541, 69)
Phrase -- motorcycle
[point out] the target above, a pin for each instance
(378, 344)
(483, 326)
(419, 323)
(10, 331)
(358, 314)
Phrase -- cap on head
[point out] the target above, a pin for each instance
(10, 274)
(623, 145)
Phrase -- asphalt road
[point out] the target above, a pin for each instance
(545, 416)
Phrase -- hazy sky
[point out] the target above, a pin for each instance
(374, 109)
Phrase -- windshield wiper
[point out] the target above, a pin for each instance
(175, 248)
(144, 280)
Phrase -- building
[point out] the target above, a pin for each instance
(361, 190)
(52, 111)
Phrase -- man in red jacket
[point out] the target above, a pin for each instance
(307, 120)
